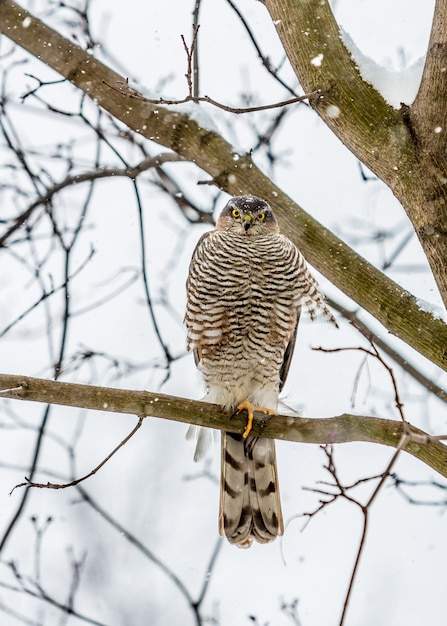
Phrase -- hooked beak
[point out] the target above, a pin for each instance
(247, 222)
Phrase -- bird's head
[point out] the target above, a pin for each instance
(248, 215)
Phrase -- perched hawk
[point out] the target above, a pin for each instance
(246, 286)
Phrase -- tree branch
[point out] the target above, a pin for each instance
(427, 120)
(351, 107)
(429, 111)
(341, 429)
(394, 307)
(405, 148)
(113, 172)
(398, 358)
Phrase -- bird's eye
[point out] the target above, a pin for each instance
(235, 213)
(261, 217)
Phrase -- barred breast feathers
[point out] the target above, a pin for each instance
(219, 260)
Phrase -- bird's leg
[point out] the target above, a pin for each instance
(246, 404)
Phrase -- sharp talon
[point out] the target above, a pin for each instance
(250, 409)
(249, 425)
(240, 407)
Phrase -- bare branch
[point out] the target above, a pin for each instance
(195, 59)
(134, 541)
(400, 483)
(131, 93)
(403, 147)
(342, 491)
(129, 172)
(191, 56)
(365, 510)
(339, 429)
(33, 589)
(163, 344)
(376, 354)
(265, 60)
(402, 361)
(208, 573)
(73, 483)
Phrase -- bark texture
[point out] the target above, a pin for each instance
(373, 129)
(341, 429)
(406, 148)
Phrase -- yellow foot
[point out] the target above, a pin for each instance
(246, 404)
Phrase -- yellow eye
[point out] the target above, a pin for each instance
(261, 217)
(235, 213)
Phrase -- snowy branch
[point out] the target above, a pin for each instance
(394, 307)
(406, 148)
(352, 108)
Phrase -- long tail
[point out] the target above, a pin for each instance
(250, 507)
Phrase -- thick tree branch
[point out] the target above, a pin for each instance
(341, 429)
(429, 111)
(397, 309)
(427, 120)
(352, 108)
(405, 148)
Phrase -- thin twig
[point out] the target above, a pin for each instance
(190, 52)
(402, 361)
(67, 249)
(45, 295)
(131, 93)
(133, 540)
(342, 491)
(96, 469)
(208, 573)
(376, 354)
(164, 346)
(365, 510)
(195, 51)
(40, 594)
(398, 483)
(265, 61)
(111, 172)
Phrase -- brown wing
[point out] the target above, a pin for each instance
(288, 354)
(190, 289)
